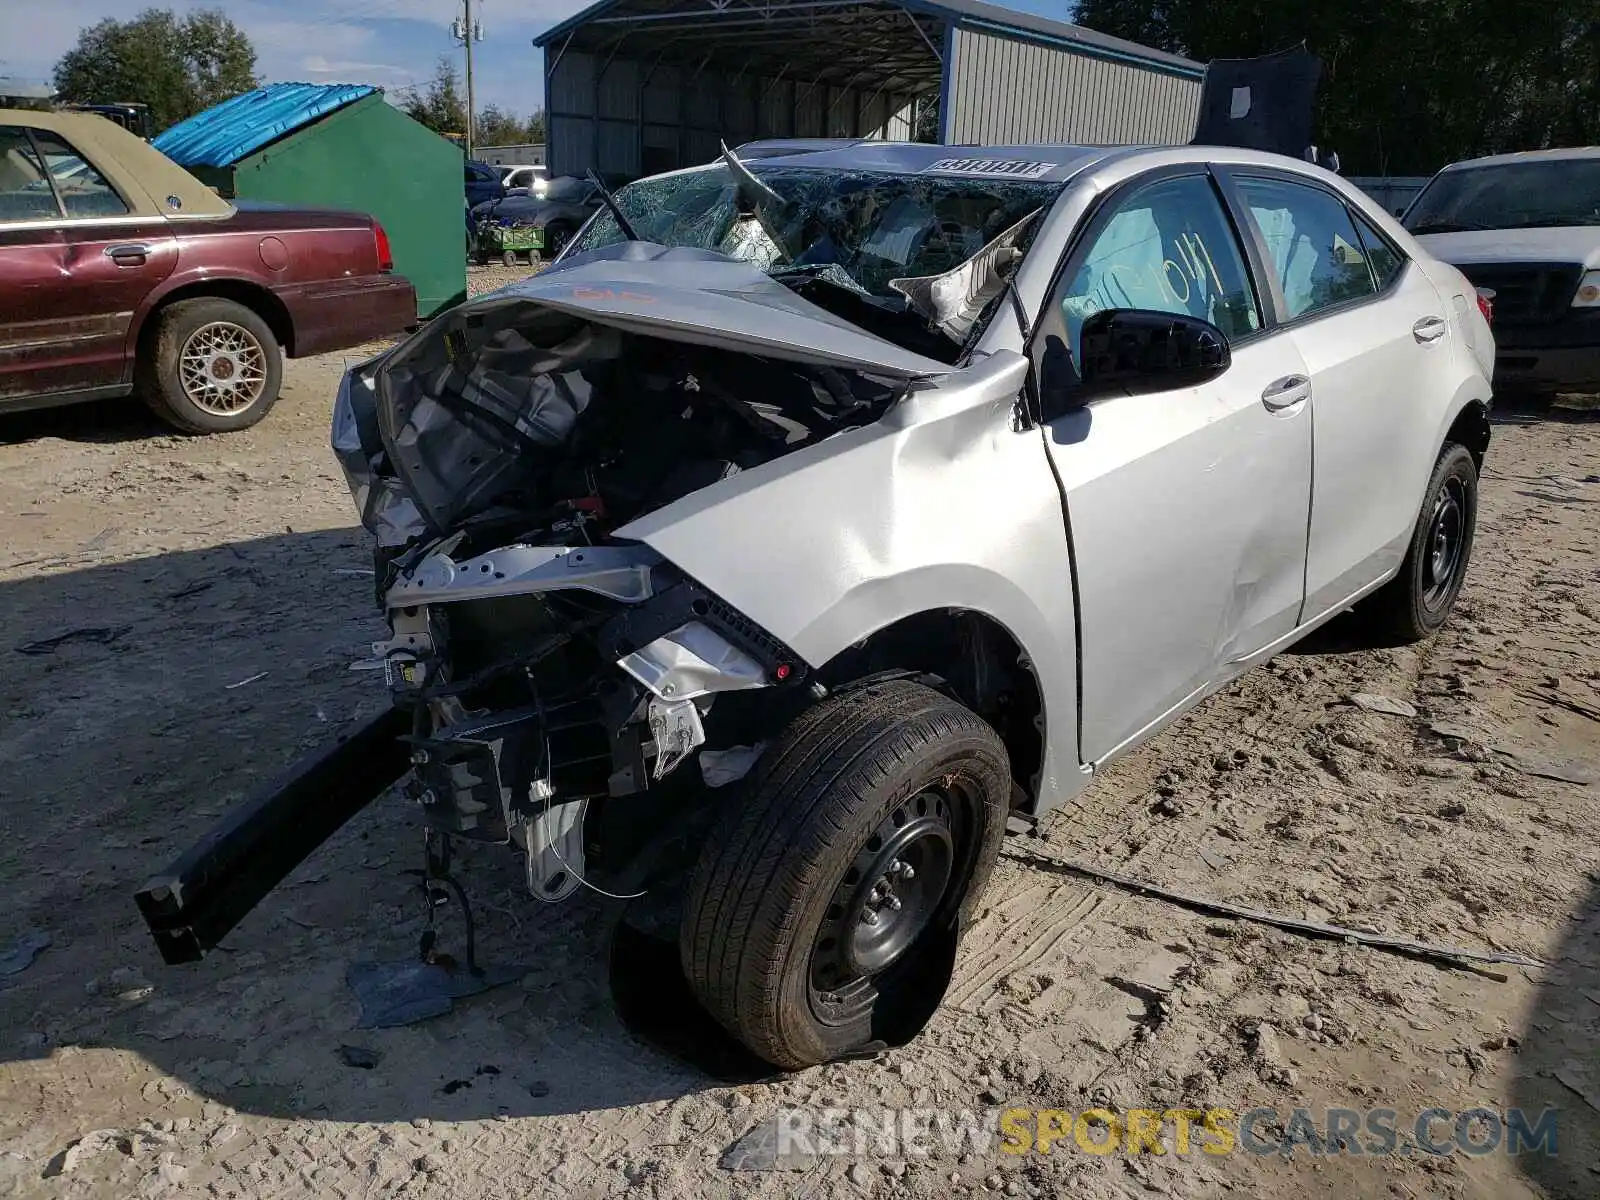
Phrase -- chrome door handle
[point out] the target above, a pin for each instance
(1286, 393)
(1429, 329)
(128, 254)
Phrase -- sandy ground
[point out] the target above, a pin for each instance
(222, 583)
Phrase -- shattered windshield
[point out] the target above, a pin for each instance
(855, 229)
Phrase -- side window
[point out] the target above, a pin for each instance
(84, 191)
(1167, 247)
(1311, 244)
(1386, 262)
(25, 193)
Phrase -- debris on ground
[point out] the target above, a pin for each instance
(403, 993)
(97, 635)
(19, 957)
(1373, 702)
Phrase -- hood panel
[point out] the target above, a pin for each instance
(1568, 244)
(704, 297)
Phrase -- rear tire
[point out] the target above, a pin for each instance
(211, 366)
(556, 238)
(803, 931)
(1416, 603)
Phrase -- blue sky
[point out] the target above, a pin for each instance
(392, 43)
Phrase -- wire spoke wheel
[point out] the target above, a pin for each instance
(222, 368)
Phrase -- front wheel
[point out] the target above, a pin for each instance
(556, 238)
(213, 366)
(859, 848)
(1416, 602)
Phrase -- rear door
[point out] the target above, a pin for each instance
(1187, 508)
(1374, 335)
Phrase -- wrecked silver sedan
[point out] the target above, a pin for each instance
(822, 511)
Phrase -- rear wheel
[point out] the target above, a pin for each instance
(556, 238)
(212, 366)
(815, 921)
(1417, 601)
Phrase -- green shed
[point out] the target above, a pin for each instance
(339, 146)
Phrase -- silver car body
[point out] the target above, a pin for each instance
(1141, 551)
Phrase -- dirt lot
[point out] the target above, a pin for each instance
(215, 593)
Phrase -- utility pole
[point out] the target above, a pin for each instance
(466, 29)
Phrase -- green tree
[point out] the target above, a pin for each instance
(177, 66)
(496, 127)
(535, 131)
(439, 105)
(1407, 85)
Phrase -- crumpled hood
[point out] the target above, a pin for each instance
(1567, 244)
(707, 298)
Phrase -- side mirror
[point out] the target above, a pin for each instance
(1130, 351)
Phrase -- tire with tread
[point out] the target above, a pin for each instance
(1399, 612)
(756, 899)
(156, 373)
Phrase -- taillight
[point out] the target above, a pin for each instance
(1486, 304)
(385, 255)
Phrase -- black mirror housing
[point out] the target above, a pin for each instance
(1131, 351)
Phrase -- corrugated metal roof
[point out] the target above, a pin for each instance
(227, 132)
(1027, 26)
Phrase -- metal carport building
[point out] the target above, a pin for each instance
(633, 87)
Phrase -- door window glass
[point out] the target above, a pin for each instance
(84, 191)
(1168, 247)
(1311, 244)
(25, 193)
(1384, 259)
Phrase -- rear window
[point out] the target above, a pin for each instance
(84, 191)
(25, 193)
(1522, 195)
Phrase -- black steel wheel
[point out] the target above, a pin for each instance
(1417, 601)
(556, 238)
(826, 905)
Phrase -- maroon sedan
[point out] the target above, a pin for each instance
(120, 273)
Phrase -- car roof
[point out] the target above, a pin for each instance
(148, 180)
(1568, 153)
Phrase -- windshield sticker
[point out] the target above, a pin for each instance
(1010, 168)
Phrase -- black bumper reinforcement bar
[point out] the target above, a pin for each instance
(193, 904)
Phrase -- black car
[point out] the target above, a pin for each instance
(567, 203)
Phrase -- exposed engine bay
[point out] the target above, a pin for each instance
(549, 665)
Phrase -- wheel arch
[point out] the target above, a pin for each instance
(977, 660)
(1471, 428)
(258, 299)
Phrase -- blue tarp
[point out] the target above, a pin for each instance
(229, 131)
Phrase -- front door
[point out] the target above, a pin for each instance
(1188, 508)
